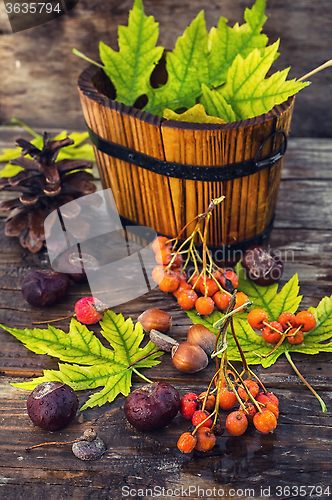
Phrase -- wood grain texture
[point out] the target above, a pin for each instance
(297, 454)
(39, 71)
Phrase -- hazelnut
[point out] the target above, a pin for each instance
(189, 358)
(155, 319)
(202, 336)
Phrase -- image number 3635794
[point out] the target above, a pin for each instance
(25, 14)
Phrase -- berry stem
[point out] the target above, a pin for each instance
(289, 359)
(219, 323)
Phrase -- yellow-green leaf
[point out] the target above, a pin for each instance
(196, 114)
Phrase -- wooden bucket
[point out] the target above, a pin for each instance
(163, 173)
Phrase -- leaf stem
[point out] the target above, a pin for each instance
(16, 121)
(289, 359)
(142, 376)
(86, 58)
(144, 357)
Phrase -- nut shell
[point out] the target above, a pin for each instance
(89, 450)
(189, 358)
(164, 342)
(155, 319)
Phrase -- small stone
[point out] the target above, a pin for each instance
(89, 450)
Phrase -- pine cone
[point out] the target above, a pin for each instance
(45, 185)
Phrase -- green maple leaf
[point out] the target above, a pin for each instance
(196, 114)
(91, 364)
(249, 92)
(226, 42)
(130, 68)
(186, 68)
(202, 58)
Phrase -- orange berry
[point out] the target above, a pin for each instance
(204, 305)
(256, 317)
(186, 442)
(182, 287)
(250, 410)
(236, 423)
(169, 283)
(210, 288)
(265, 421)
(287, 319)
(164, 256)
(205, 439)
(187, 299)
(252, 386)
(195, 281)
(221, 300)
(177, 262)
(270, 335)
(227, 399)
(306, 320)
(295, 339)
(241, 299)
(160, 243)
(158, 274)
(210, 402)
(229, 276)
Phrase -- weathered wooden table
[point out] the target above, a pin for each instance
(293, 462)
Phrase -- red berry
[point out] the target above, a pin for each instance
(270, 335)
(265, 421)
(256, 317)
(204, 305)
(263, 398)
(221, 300)
(89, 310)
(236, 423)
(199, 416)
(177, 262)
(306, 320)
(189, 405)
(287, 319)
(187, 299)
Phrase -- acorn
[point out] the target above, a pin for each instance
(202, 336)
(155, 319)
(189, 358)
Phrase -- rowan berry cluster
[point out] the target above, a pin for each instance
(203, 290)
(259, 408)
(289, 326)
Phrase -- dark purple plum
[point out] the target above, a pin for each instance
(75, 266)
(43, 288)
(52, 405)
(262, 266)
(152, 406)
